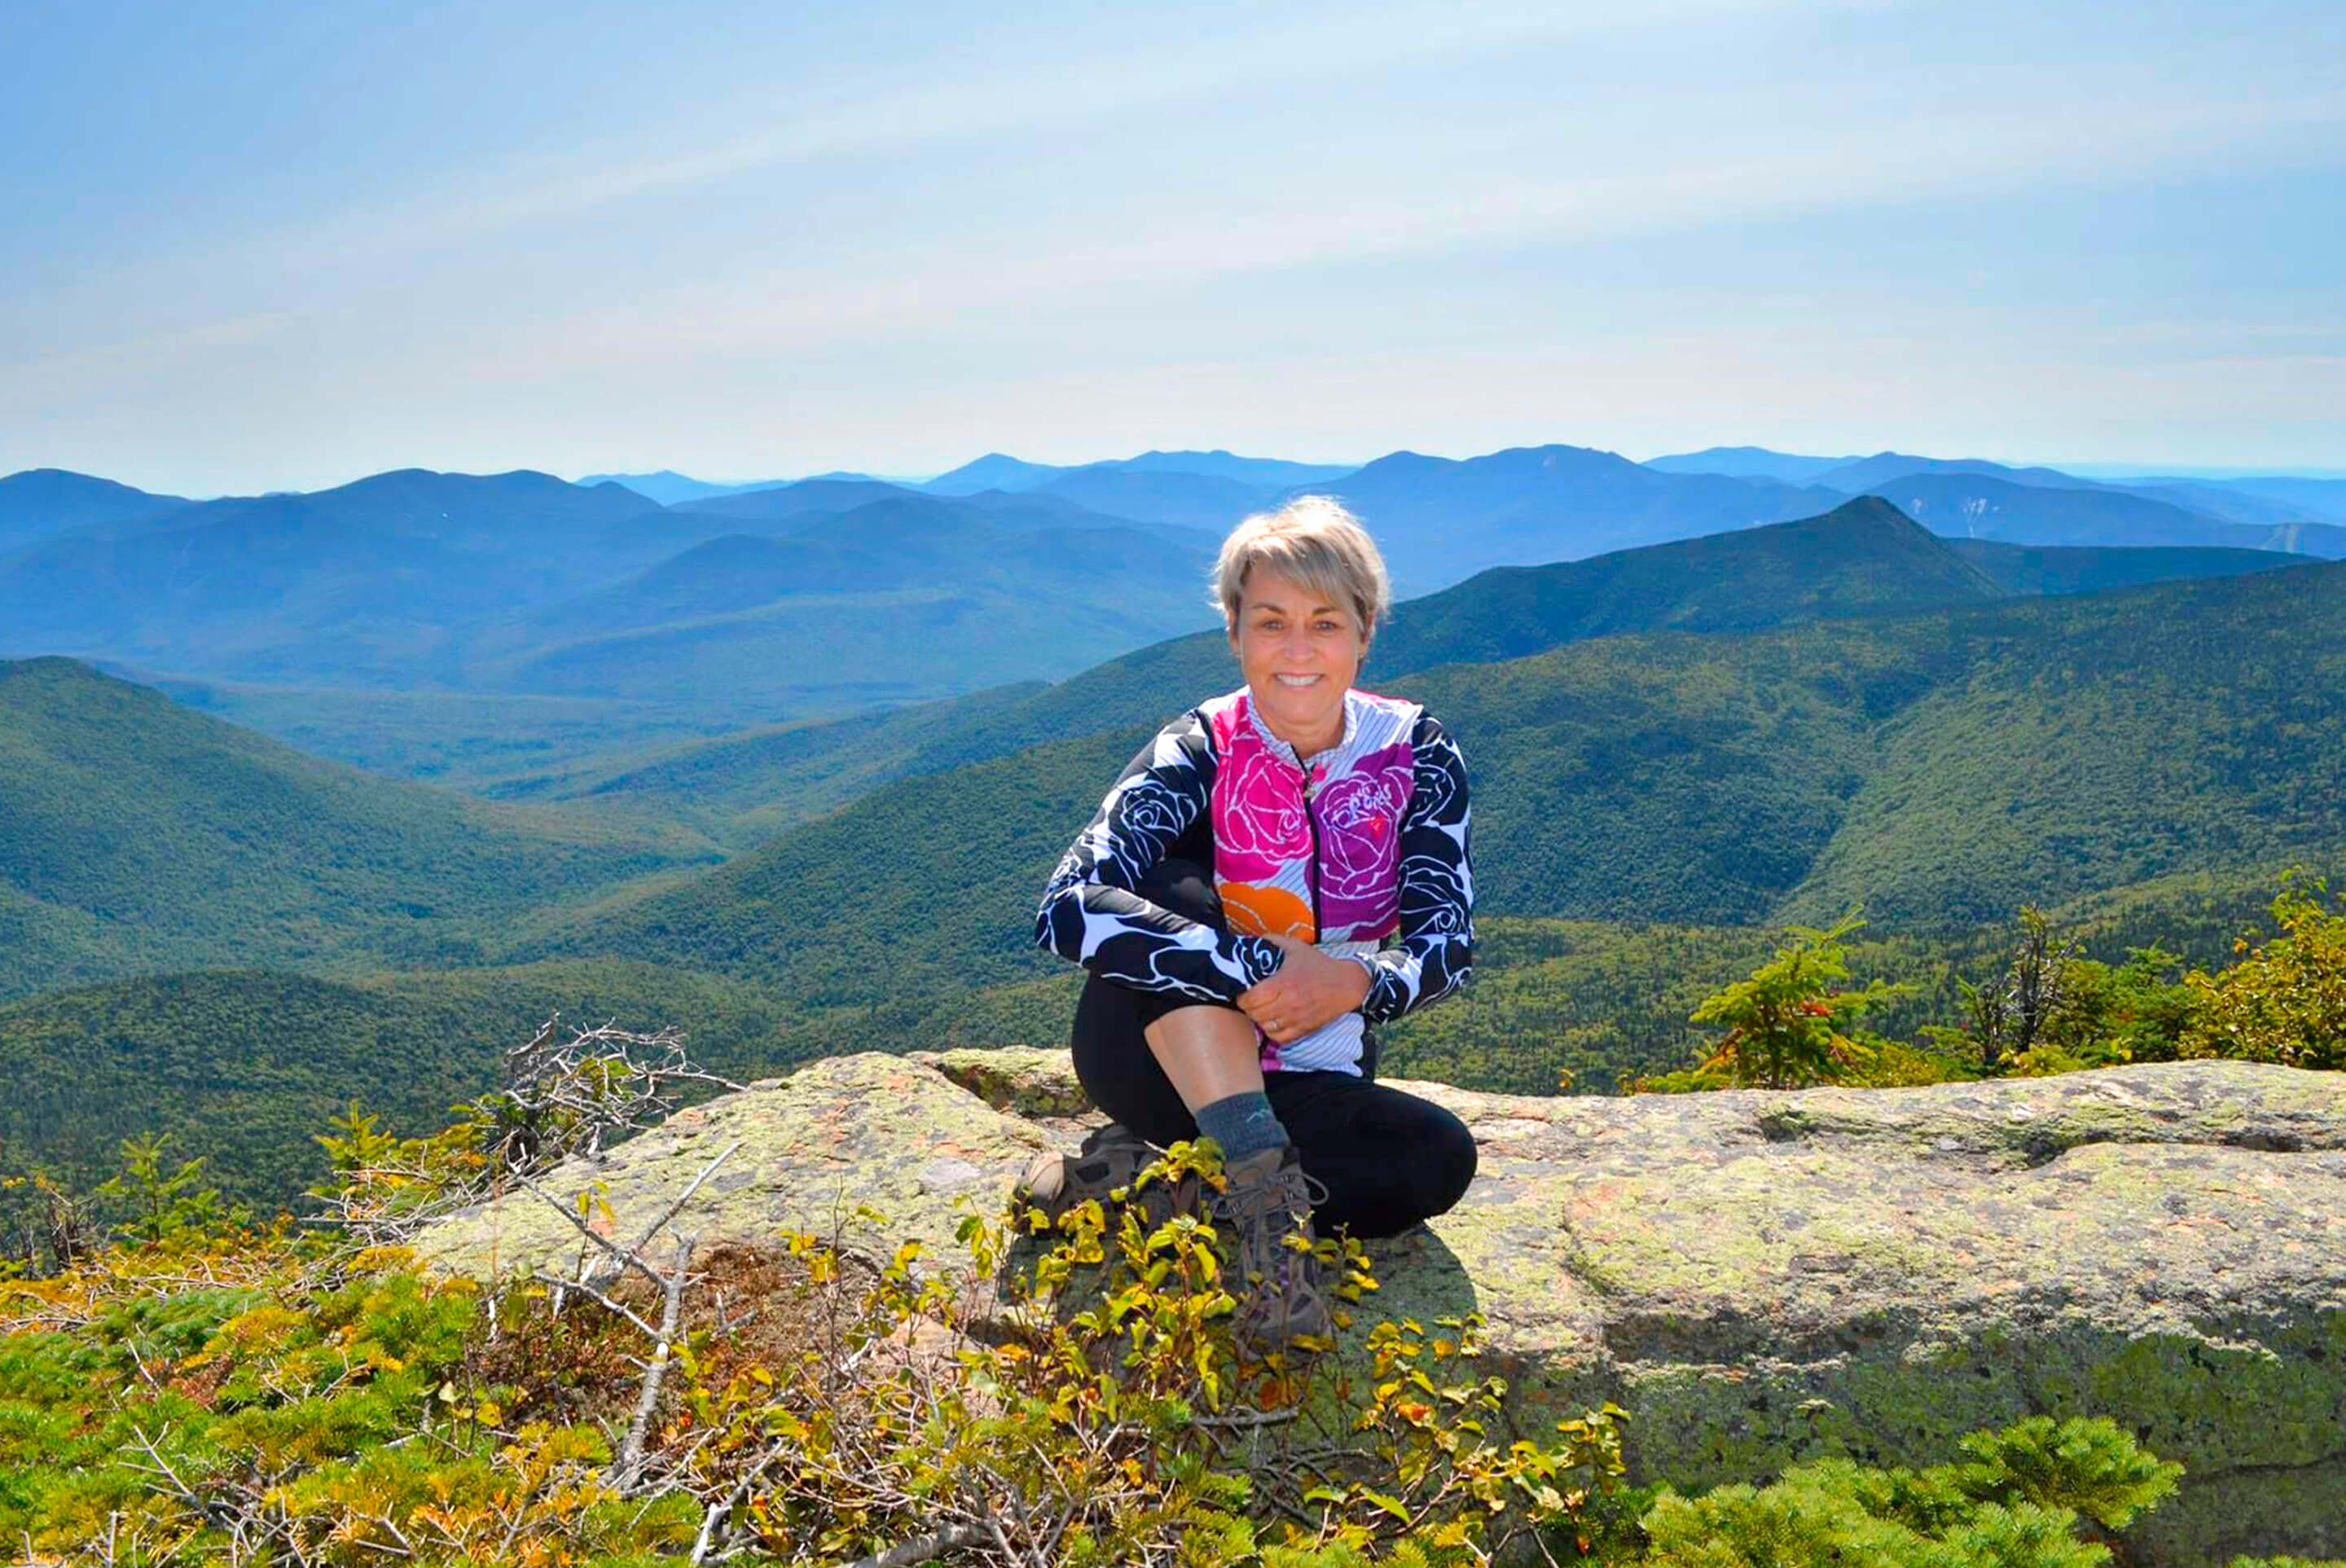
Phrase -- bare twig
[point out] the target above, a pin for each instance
(719, 1514)
(628, 1468)
(925, 1548)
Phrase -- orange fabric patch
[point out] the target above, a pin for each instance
(1254, 911)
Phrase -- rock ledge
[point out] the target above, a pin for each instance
(1756, 1277)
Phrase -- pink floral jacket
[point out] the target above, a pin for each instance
(1363, 852)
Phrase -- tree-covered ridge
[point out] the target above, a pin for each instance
(239, 1067)
(1862, 558)
(232, 1065)
(2052, 569)
(136, 836)
(1942, 769)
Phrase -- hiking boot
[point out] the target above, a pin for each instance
(1109, 1158)
(1267, 1212)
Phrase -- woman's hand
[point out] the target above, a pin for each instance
(1310, 990)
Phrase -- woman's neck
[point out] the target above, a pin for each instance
(1324, 738)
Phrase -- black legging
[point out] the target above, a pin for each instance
(1387, 1158)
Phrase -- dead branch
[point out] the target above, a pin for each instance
(925, 1548)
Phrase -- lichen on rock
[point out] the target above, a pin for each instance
(1756, 1277)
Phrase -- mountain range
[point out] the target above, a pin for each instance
(522, 584)
(506, 630)
(1688, 645)
(1940, 766)
(1767, 723)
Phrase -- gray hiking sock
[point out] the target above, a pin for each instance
(1243, 1125)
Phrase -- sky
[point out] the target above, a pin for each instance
(266, 246)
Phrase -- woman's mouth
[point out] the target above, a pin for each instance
(1297, 679)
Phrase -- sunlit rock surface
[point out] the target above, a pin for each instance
(1756, 1277)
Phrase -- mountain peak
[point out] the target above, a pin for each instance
(1871, 510)
(995, 471)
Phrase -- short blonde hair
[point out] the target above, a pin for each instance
(1313, 541)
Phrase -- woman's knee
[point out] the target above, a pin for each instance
(1388, 1158)
(1449, 1163)
(1442, 1163)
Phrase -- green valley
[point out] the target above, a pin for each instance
(1673, 749)
(136, 836)
(1941, 767)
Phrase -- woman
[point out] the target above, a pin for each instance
(1234, 898)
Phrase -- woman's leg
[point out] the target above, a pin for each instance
(1208, 1054)
(1150, 1060)
(1387, 1159)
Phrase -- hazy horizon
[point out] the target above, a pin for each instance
(257, 246)
(2088, 470)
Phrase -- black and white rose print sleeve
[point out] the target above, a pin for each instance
(1091, 914)
(1436, 946)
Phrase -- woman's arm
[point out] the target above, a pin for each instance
(1090, 912)
(1436, 950)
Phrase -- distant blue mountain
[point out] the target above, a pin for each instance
(42, 501)
(795, 498)
(2217, 499)
(811, 506)
(1748, 463)
(668, 486)
(1977, 506)
(995, 471)
(1161, 495)
(830, 593)
(2326, 496)
(1260, 475)
(1856, 478)
(363, 582)
(1219, 464)
(1440, 520)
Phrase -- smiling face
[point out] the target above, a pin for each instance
(1299, 654)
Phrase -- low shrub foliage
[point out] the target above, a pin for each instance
(199, 1388)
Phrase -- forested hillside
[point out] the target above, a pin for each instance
(241, 1067)
(1942, 768)
(1862, 558)
(2055, 569)
(1716, 735)
(136, 836)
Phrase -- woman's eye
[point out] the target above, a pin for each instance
(1327, 626)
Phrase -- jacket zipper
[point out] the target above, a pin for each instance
(1313, 822)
